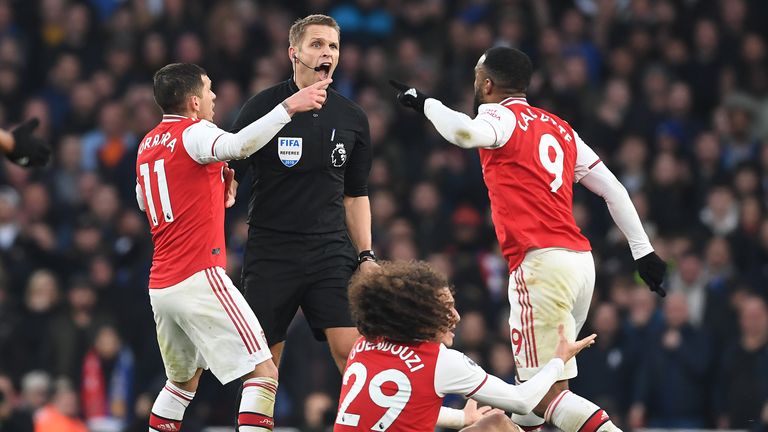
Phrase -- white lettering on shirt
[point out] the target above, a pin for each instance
(406, 354)
(527, 118)
(158, 140)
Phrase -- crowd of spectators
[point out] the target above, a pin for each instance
(673, 95)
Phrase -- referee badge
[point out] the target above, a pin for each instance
(289, 150)
(339, 155)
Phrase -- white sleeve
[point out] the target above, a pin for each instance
(523, 398)
(140, 197)
(199, 141)
(451, 418)
(456, 373)
(492, 127)
(207, 143)
(601, 181)
(586, 158)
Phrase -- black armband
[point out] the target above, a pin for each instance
(366, 255)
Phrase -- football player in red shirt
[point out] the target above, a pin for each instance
(530, 159)
(203, 322)
(399, 371)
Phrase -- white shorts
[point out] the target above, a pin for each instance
(551, 286)
(204, 322)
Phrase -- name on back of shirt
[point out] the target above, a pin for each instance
(527, 116)
(406, 354)
(159, 139)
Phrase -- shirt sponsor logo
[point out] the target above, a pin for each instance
(493, 113)
(339, 155)
(289, 150)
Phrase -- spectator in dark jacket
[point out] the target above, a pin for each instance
(742, 384)
(671, 390)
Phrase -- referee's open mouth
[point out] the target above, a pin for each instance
(325, 70)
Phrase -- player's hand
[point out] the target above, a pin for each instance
(652, 270)
(567, 350)
(368, 266)
(309, 98)
(230, 186)
(409, 96)
(28, 151)
(473, 413)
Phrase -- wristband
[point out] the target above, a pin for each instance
(366, 255)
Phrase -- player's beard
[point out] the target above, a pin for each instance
(477, 101)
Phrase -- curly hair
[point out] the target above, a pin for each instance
(402, 302)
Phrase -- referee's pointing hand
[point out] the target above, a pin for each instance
(309, 98)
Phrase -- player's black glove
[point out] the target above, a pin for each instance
(409, 96)
(652, 270)
(28, 151)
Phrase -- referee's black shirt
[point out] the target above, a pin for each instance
(301, 176)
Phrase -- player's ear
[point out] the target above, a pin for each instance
(487, 86)
(292, 54)
(194, 103)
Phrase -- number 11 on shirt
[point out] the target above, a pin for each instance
(162, 186)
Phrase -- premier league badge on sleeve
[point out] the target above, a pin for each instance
(289, 150)
(339, 155)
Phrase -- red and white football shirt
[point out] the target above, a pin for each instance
(182, 188)
(530, 176)
(400, 387)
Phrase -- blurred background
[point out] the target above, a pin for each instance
(673, 95)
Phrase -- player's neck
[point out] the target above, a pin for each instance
(501, 96)
(187, 114)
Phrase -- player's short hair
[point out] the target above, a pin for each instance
(296, 34)
(174, 83)
(400, 302)
(508, 68)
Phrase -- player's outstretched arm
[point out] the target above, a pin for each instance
(256, 135)
(455, 373)
(523, 398)
(652, 269)
(457, 128)
(207, 143)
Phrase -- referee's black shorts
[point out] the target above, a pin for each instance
(282, 272)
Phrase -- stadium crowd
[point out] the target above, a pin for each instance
(673, 95)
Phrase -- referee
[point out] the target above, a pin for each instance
(309, 214)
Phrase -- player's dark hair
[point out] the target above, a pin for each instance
(508, 68)
(401, 302)
(174, 83)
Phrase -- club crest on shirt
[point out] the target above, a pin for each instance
(289, 150)
(339, 155)
(469, 362)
